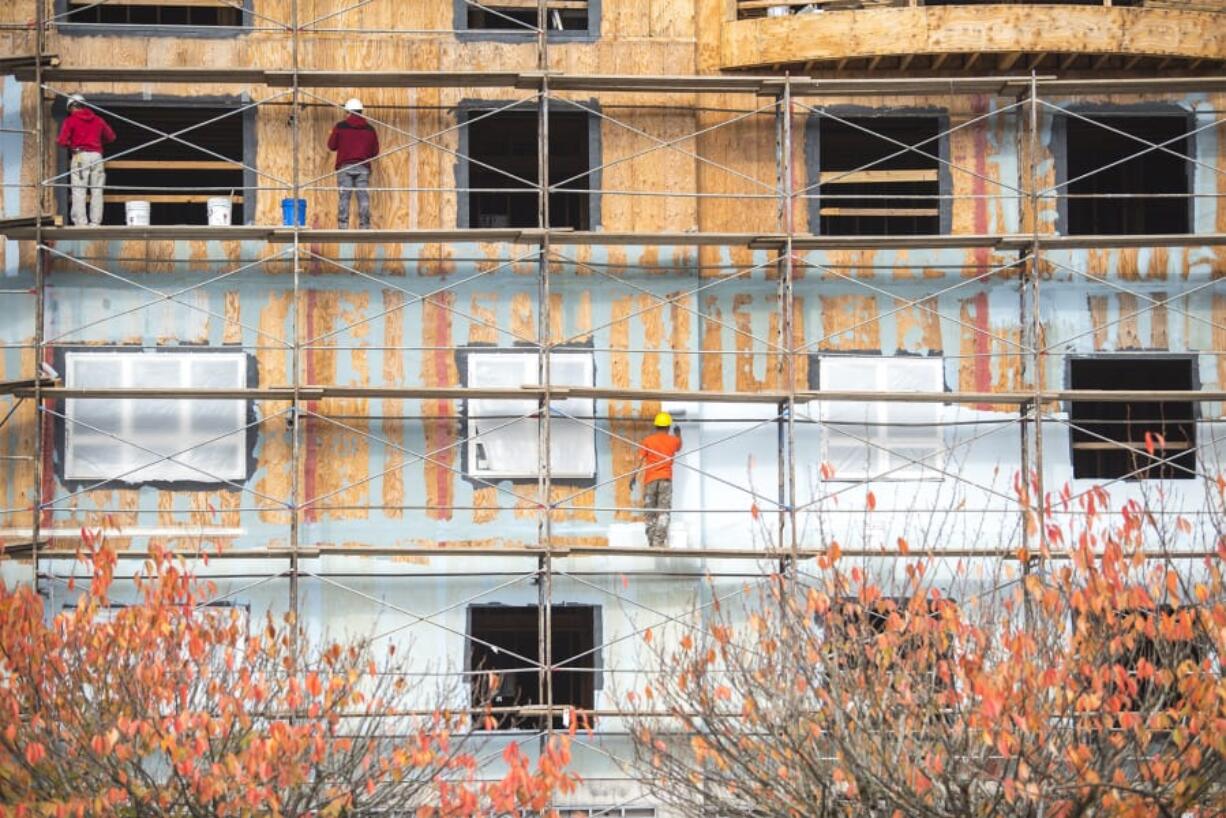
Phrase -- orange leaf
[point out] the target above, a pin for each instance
(903, 546)
(35, 753)
(870, 501)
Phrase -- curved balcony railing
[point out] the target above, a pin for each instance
(920, 34)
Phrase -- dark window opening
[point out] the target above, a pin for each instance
(175, 177)
(572, 17)
(1112, 201)
(505, 143)
(1124, 639)
(513, 631)
(895, 196)
(1110, 438)
(148, 14)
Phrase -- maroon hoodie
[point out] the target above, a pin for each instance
(84, 130)
(354, 141)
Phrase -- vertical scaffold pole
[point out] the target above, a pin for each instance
(296, 364)
(40, 276)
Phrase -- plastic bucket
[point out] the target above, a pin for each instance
(287, 212)
(219, 210)
(136, 214)
(778, 11)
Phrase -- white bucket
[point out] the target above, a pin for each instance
(219, 210)
(136, 213)
(778, 11)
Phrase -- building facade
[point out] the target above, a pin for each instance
(884, 263)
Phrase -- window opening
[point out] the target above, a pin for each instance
(866, 438)
(513, 630)
(193, 175)
(560, 15)
(154, 14)
(1109, 438)
(1130, 211)
(503, 436)
(506, 141)
(1123, 640)
(900, 192)
(120, 439)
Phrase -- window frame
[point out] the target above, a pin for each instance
(909, 472)
(465, 34)
(464, 357)
(249, 433)
(473, 675)
(251, 183)
(1193, 361)
(1060, 144)
(595, 155)
(813, 127)
(65, 26)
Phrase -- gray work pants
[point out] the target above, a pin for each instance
(87, 173)
(657, 501)
(349, 179)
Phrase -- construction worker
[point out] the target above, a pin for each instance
(356, 144)
(83, 134)
(655, 462)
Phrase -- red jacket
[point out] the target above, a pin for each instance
(354, 141)
(84, 130)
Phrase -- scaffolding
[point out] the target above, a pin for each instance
(1031, 259)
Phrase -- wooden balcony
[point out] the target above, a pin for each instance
(902, 35)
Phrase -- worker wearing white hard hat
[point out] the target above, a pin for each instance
(356, 145)
(655, 463)
(83, 134)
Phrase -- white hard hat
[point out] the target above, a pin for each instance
(353, 105)
(76, 99)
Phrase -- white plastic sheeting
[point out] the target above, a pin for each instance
(503, 433)
(896, 433)
(123, 440)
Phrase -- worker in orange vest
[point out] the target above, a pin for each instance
(656, 455)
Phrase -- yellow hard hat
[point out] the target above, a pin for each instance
(664, 420)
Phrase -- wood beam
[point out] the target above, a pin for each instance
(1007, 61)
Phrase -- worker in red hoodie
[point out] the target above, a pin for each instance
(356, 144)
(84, 133)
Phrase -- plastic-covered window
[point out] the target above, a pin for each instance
(154, 439)
(887, 439)
(503, 432)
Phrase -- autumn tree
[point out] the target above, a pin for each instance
(167, 708)
(1082, 679)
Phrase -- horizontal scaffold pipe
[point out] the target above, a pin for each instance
(632, 83)
(1003, 242)
(771, 554)
(533, 392)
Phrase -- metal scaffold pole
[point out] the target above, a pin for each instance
(297, 417)
(40, 279)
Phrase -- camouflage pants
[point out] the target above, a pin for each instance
(657, 500)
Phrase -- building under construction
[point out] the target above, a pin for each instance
(878, 258)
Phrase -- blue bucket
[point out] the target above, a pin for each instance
(287, 212)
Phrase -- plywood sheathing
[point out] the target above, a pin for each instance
(17, 439)
(482, 330)
(393, 429)
(336, 460)
(1122, 321)
(438, 368)
(990, 358)
(273, 477)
